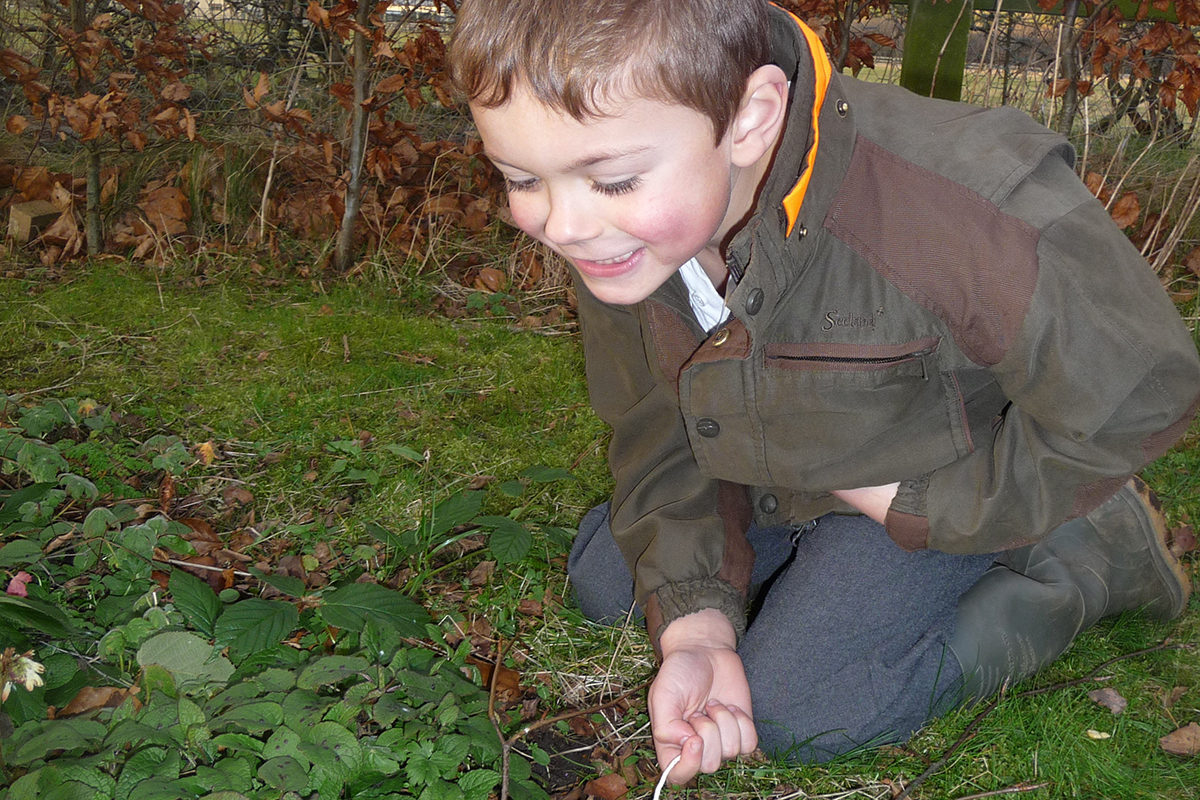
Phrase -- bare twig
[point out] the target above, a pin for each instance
(505, 745)
(1019, 788)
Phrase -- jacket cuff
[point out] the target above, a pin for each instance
(674, 600)
(907, 521)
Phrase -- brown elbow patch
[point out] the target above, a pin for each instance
(908, 530)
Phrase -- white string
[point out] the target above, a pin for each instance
(663, 780)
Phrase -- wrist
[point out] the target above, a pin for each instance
(707, 627)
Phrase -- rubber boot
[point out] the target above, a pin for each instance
(1025, 611)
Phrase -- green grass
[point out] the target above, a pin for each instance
(283, 368)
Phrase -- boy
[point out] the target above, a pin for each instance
(802, 294)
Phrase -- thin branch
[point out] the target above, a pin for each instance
(1015, 789)
(505, 745)
(578, 712)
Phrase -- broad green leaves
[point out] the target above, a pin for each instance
(252, 625)
(350, 606)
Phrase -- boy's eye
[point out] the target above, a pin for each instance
(620, 187)
(526, 185)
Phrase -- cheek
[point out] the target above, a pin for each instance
(526, 215)
(672, 220)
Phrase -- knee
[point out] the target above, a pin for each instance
(601, 580)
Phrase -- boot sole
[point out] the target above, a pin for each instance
(1170, 570)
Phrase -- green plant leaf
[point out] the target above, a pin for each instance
(29, 613)
(254, 624)
(304, 708)
(147, 763)
(78, 488)
(458, 509)
(284, 773)
(405, 452)
(196, 600)
(238, 742)
(10, 510)
(185, 655)
(331, 669)
(333, 748)
(348, 607)
(293, 587)
(285, 742)
(540, 473)
(510, 540)
(477, 784)
(255, 717)
(59, 734)
(97, 522)
(20, 553)
(512, 488)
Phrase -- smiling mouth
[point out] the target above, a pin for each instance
(609, 261)
(610, 267)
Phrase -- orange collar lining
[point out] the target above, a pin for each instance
(822, 70)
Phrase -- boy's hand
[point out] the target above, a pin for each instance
(874, 501)
(700, 700)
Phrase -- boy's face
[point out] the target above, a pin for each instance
(627, 198)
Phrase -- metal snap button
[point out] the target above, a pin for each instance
(842, 107)
(708, 428)
(721, 337)
(769, 504)
(754, 301)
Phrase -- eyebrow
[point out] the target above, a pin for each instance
(586, 161)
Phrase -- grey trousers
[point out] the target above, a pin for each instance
(846, 646)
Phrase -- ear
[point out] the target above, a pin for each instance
(761, 115)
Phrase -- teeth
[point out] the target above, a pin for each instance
(616, 260)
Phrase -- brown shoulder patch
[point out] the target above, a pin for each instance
(944, 246)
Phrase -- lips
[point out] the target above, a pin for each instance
(610, 267)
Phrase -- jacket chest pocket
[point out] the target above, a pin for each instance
(846, 415)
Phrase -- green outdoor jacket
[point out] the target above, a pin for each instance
(936, 300)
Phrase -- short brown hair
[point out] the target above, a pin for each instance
(574, 55)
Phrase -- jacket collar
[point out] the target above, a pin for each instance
(806, 172)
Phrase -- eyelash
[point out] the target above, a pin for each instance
(606, 189)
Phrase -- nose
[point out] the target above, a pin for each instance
(570, 219)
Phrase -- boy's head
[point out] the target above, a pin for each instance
(577, 55)
(632, 134)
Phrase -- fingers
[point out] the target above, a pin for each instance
(716, 735)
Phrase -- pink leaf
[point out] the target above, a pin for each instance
(16, 586)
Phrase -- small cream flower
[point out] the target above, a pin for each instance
(21, 670)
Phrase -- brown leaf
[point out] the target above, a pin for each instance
(480, 481)
(1183, 741)
(482, 573)
(581, 726)
(16, 125)
(1192, 262)
(201, 530)
(262, 87)
(91, 698)
(493, 280)
(176, 92)
(1109, 698)
(1126, 210)
(237, 494)
(610, 787)
(1172, 697)
(530, 608)
(1183, 540)
(392, 83)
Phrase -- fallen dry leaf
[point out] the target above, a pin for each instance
(91, 698)
(609, 787)
(1184, 741)
(237, 494)
(206, 452)
(1109, 698)
(1183, 540)
(1172, 697)
(530, 608)
(1094, 734)
(482, 573)
(1126, 210)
